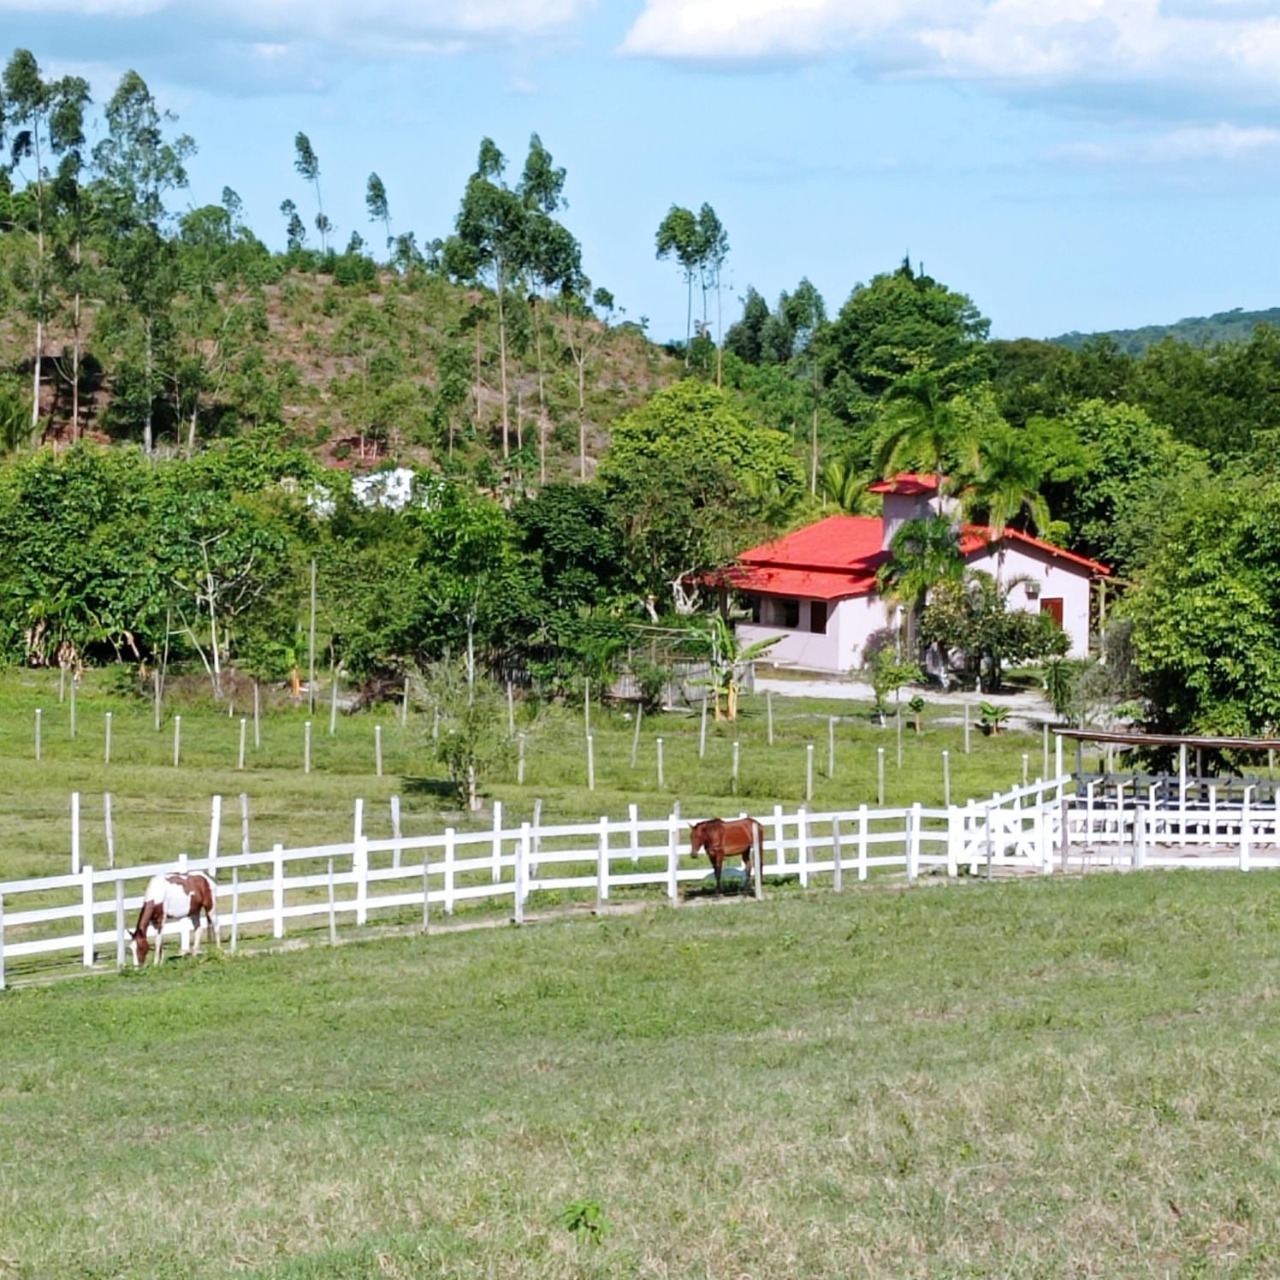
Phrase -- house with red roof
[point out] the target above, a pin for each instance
(815, 589)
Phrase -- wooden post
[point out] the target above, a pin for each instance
(395, 832)
(520, 760)
(39, 714)
(311, 647)
(404, 704)
(257, 718)
(946, 779)
(837, 856)
(75, 833)
(768, 711)
(377, 749)
(177, 740)
(235, 909)
(880, 776)
(966, 728)
(898, 730)
(1045, 773)
(244, 729)
(333, 921)
(586, 706)
(673, 859)
(244, 823)
(120, 927)
(277, 891)
(602, 865)
(2, 941)
(661, 779)
(495, 848)
(306, 747)
(831, 747)
(702, 731)
(862, 841)
(215, 833)
(1026, 768)
(426, 890)
(808, 771)
(158, 696)
(757, 863)
(1065, 833)
(106, 748)
(635, 737)
(334, 681)
(591, 763)
(736, 759)
(110, 833)
(71, 719)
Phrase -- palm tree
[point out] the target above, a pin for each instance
(1005, 487)
(921, 426)
(842, 485)
(922, 553)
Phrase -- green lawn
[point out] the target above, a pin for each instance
(1033, 1079)
(160, 810)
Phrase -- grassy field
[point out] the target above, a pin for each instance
(1038, 1079)
(160, 810)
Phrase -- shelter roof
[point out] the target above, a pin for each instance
(980, 537)
(908, 484)
(1135, 739)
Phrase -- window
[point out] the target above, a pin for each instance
(818, 617)
(1052, 605)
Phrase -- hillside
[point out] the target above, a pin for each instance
(1226, 326)
(387, 365)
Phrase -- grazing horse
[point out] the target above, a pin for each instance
(173, 897)
(727, 839)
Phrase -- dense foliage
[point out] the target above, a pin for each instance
(575, 481)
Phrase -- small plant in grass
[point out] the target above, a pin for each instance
(585, 1218)
(992, 717)
(888, 676)
(916, 707)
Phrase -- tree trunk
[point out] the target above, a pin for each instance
(502, 366)
(146, 425)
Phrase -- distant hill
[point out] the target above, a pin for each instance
(1197, 331)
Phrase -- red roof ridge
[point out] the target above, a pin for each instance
(986, 535)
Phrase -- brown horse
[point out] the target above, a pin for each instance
(727, 839)
(174, 897)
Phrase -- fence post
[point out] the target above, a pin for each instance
(1057, 755)
(880, 776)
(955, 835)
(277, 891)
(837, 854)
(661, 777)
(177, 740)
(235, 908)
(602, 865)
(1065, 834)
(75, 833)
(395, 833)
(673, 859)
(1139, 838)
(591, 763)
(1, 941)
(333, 918)
(522, 868)
(862, 841)
(913, 843)
(86, 899)
(808, 771)
(779, 847)
(449, 869)
(1245, 849)
(426, 889)
(495, 872)
(1045, 820)
(306, 746)
(377, 749)
(119, 924)
(802, 842)
(831, 746)
(360, 865)
(989, 814)
(215, 833)
(106, 749)
(633, 820)
(39, 714)
(702, 730)
(768, 713)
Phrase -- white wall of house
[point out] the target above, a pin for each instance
(1049, 579)
(850, 624)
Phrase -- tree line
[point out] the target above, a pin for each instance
(489, 359)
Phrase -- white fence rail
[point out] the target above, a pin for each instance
(87, 914)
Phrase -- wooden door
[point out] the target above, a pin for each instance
(1052, 605)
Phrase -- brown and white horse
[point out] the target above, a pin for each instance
(723, 839)
(174, 897)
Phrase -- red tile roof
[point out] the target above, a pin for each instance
(907, 483)
(838, 557)
(830, 560)
(978, 537)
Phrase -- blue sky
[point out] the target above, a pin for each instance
(1070, 164)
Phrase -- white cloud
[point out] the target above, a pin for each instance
(1226, 47)
(358, 25)
(1222, 143)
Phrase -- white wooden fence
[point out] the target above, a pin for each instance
(83, 917)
